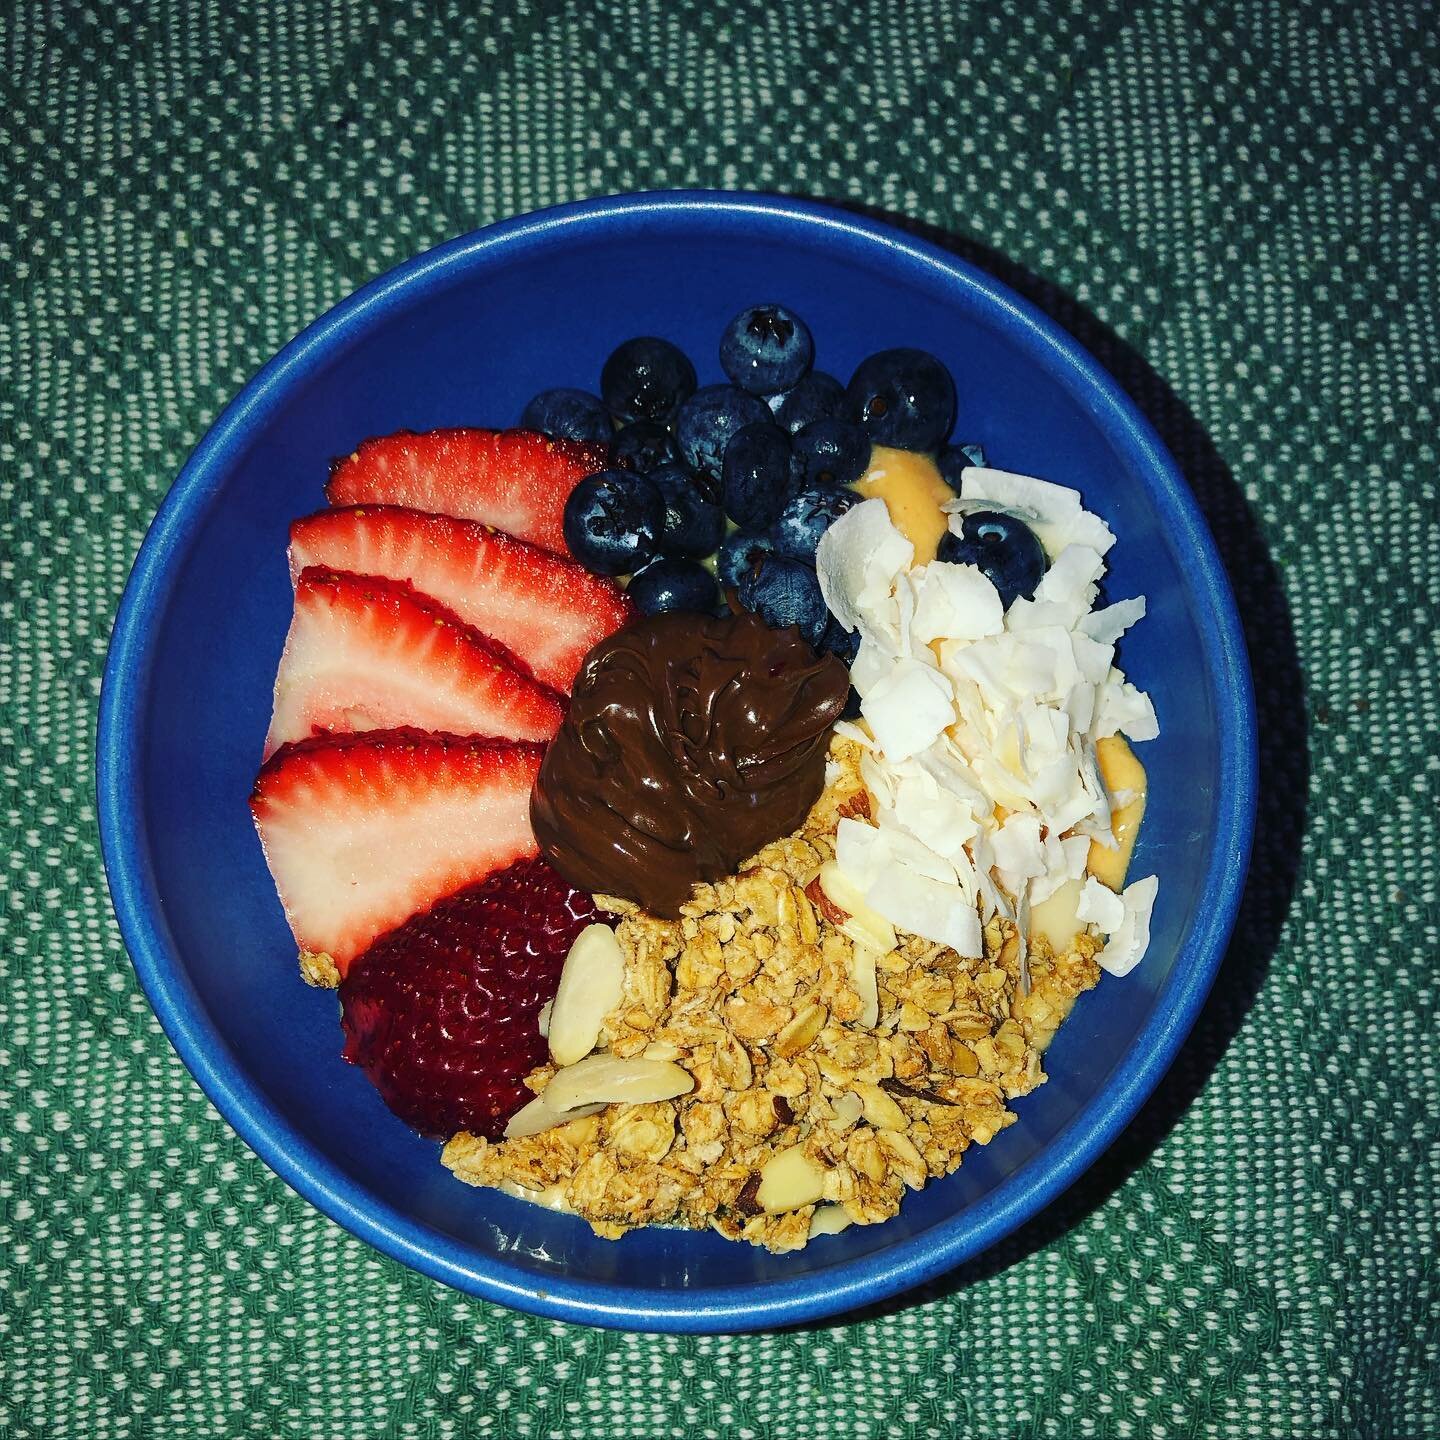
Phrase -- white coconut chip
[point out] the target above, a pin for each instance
(1127, 944)
(928, 908)
(940, 819)
(873, 663)
(857, 560)
(860, 851)
(955, 602)
(1122, 709)
(908, 710)
(1100, 906)
(849, 730)
(1069, 583)
(1108, 625)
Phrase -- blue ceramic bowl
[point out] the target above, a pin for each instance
(463, 335)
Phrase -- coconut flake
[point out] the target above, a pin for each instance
(955, 602)
(1035, 615)
(858, 559)
(873, 663)
(983, 663)
(1124, 710)
(914, 854)
(1064, 862)
(1129, 941)
(849, 730)
(928, 908)
(1017, 849)
(1040, 665)
(940, 819)
(1108, 625)
(1093, 658)
(880, 779)
(861, 851)
(1069, 583)
(909, 709)
(1100, 906)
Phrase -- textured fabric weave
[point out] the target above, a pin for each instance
(1235, 204)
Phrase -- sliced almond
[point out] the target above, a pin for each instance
(552, 1197)
(862, 977)
(789, 1180)
(846, 1110)
(591, 984)
(733, 1067)
(880, 1110)
(909, 1163)
(963, 1060)
(829, 1220)
(824, 904)
(862, 924)
(537, 1116)
(805, 917)
(542, 1020)
(610, 1080)
(801, 1031)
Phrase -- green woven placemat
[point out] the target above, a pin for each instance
(1236, 205)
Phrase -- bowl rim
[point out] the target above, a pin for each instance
(848, 1284)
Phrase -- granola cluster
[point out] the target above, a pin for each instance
(828, 1078)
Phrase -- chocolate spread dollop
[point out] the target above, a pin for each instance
(690, 742)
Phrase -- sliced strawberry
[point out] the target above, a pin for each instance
(368, 654)
(546, 610)
(515, 480)
(362, 831)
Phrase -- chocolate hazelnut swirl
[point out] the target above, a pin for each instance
(689, 743)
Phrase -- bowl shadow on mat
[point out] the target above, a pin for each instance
(1283, 770)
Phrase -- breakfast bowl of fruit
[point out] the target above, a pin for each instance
(684, 762)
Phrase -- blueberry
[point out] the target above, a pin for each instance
(708, 419)
(817, 397)
(741, 552)
(641, 446)
(672, 585)
(568, 415)
(694, 524)
(843, 644)
(613, 522)
(766, 348)
(954, 458)
(807, 515)
(647, 379)
(755, 480)
(830, 452)
(906, 398)
(1005, 549)
(785, 592)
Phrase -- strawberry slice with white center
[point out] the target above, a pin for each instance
(366, 653)
(544, 609)
(363, 831)
(515, 480)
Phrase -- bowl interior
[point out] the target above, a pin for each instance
(467, 344)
